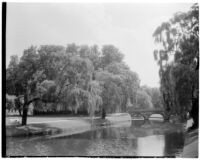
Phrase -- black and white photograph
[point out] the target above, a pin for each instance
(103, 79)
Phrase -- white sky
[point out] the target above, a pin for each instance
(128, 26)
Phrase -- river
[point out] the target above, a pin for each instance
(136, 138)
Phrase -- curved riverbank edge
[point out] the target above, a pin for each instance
(190, 149)
(64, 127)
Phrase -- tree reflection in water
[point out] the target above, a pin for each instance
(174, 143)
(139, 138)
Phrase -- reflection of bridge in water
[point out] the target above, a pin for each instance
(146, 113)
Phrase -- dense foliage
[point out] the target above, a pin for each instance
(155, 96)
(75, 78)
(178, 58)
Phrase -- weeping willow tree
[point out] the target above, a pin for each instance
(111, 92)
(73, 77)
(178, 59)
(94, 98)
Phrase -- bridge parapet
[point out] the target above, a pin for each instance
(131, 109)
(147, 113)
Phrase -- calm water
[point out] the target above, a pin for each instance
(137, 138)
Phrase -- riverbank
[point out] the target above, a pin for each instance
(48, 128)
(62, 126)
(190, 149)
(120, 139)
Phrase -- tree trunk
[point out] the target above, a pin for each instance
(195, 113)
(25, 110)
(103, 116)
(19, 110)
(24, 115)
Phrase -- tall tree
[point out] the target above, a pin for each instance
(27, 77)
(180, 40)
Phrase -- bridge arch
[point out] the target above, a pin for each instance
(137, 114)
(146, 114)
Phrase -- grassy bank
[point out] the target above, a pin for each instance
(47, 128)
(62, 126)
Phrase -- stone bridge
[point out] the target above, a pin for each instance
(147, 113)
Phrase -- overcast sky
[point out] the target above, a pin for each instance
(128, 26)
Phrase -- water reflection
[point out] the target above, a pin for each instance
(151, 146)
(157, 117)
(174, 143)
(139, 138)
